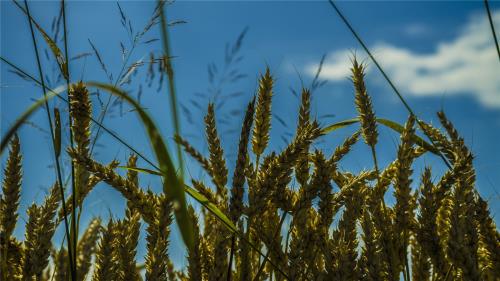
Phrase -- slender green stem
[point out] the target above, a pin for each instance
(386, 77)
(102, 115)
(492, 26)
(171, 83)
(56, 157)
(74, 191)
(261, 267)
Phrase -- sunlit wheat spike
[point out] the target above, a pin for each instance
(131, 174)
(344, 149)
(86, 248)
(205, 191)
(157, 241)
(61, 265)
(462, 233)
(370, 262)
(127, 239)
(364, 104)
(490, 240)
(81, 112)
(302, 167)
(440, 141)
(402, 190)
(260, 138)
(236, 200)
(421, 266)
(205, 164)
(105, 259)
(12, 258)
(456, 140)
(11, 189)
(321, 179)
(39, 231)
(217, 161)
(82, 193)
(280, 167)
(426, 230)
(128, 189)
(194, 257)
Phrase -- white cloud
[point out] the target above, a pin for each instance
(466, 65)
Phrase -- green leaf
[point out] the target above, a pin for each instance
(195, 195)
(172, 185)
(142, 170)
(211, 207)
(386, 122)
(57, 132)
(416, 139)
(339, 125)
(26, 114)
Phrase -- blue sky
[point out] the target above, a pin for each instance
(439, 54)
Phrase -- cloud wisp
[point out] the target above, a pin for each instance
(468, 64)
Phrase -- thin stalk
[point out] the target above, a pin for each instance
(261, 267)
(492, 26)
(386, 77)
(96, 122)
(102, 115)
(375, 162)
(171, 83)
(56, 156)
(74, 192)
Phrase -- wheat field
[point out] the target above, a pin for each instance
(292, 214)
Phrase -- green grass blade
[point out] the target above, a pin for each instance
(141, 170)
(416, 139)
(172, 185)
(26, 114)
(339, 125)
(389, 124)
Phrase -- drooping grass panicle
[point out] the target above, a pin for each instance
(205, 164)
(262, 122)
